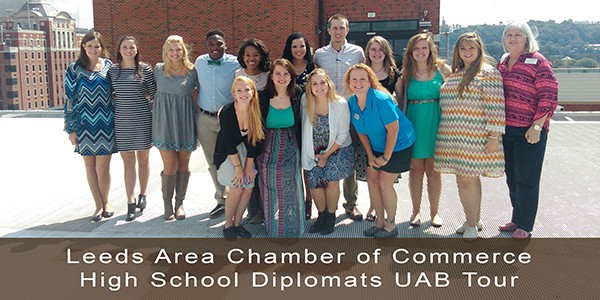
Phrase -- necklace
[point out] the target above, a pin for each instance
(175, 70)
(301, 69)
(380, 70)
(422, 75)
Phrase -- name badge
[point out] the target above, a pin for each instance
(356, 116)
(531, 61)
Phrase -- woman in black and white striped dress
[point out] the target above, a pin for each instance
(134, 88)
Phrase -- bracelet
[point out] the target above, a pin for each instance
(235, 166)
(384, 159)
(493, 137)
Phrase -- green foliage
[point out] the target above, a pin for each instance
(557, 41)
(586, 63)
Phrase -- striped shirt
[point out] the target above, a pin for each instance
(530, 90)
(133, 116)
(337, 63)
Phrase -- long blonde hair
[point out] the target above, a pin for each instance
(187, 64)
(255, 126)
(410, 67)
(476, 66)
(375, 84)
(311, 98)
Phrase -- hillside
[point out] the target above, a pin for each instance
(578, 40)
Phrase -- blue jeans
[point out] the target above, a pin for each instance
(523, 172)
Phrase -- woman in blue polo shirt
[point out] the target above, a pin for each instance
(387, 136)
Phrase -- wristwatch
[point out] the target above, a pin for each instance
(537, 127)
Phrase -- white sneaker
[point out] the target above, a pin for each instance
(461, 229)
(470, 233)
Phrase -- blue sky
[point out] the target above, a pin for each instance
(474, 12)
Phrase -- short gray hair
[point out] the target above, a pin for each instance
(531, 44)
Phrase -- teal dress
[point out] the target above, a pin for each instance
(424, 112)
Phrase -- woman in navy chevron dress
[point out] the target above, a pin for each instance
(89, 117)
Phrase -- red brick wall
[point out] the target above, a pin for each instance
(151, 22)
(271, 21)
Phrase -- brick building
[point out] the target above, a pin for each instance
(271, 21)
(38, 42)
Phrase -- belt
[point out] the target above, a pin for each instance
(423, 101)
(208, 113)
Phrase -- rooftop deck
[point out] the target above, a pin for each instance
(44, 192)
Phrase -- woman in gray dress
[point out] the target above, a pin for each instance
(173, 122)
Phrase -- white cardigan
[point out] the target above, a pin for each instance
(339, 130)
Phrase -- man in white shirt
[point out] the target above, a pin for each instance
(335, 59)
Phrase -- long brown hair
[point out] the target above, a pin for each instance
(410, 67)
(187, 64)
(136, 58)
(83, 60)
(371, 75)
(476, 66)
(388, 62)
(311, 98)
(291, 88)
(255, 126)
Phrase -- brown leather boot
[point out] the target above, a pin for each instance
(181, 186)
(168, 188)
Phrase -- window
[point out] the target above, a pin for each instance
(45, 55)
(27, 80)
(42, 94)
(28, 93)
(11, 68)
(32, 67)
(46, 78)
(8, 56)
(40, 68)
(25, 55)
(42, 103)
(33, 78)
(39, 55)
(11, 81)
(35, 94)
(36, 105)
(26, 68)
(12, 94)
(46, 68)
(40, 79)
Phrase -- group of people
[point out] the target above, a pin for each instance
(279, 134)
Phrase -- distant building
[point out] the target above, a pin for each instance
(37, 44)
(271, 21)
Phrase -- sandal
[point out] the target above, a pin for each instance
(371, 218)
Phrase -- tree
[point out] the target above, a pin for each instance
(586, 63)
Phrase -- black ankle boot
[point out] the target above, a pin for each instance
(141, 202)
(130, 212)
(329, 223)
(318, 224)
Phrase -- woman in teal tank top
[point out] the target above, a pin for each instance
(422, 76)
